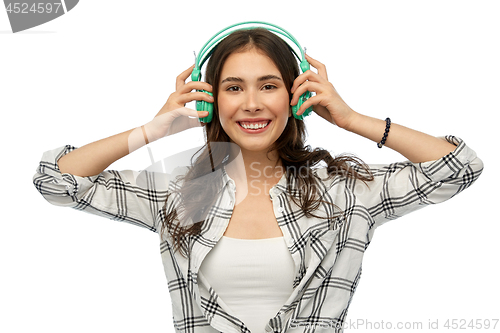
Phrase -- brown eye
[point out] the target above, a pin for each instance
(233, 88)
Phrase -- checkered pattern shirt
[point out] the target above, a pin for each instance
(327, 252)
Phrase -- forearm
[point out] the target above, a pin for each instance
(95, 157)
(414, 145)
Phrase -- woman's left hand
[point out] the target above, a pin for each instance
(327, 103)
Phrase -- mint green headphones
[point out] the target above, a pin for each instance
(206, 52)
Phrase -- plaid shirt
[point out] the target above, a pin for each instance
(327, 252)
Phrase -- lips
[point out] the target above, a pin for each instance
(248, 123)
(254, 126)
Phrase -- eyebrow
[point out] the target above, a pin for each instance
(262, 78)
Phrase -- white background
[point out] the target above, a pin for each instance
(108, 66)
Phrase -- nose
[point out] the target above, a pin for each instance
(252, 102)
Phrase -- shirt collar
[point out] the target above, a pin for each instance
(280, 187)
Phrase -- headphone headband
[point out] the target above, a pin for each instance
(207, 49)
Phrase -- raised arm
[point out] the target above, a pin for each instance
(414, 145)
(437, 169)
(76, 177)
(95, 157)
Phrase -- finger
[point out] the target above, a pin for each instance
(194, 119)
(202, 114)
(297, 82)
(319, 66)
(194, 96)
(307, 86)
(306, 76)
(181, 119)
(195, 85)
(194, 122)
(181, 78)
(187, 112)
(310, 102)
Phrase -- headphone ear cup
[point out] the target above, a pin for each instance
(205, 106)
(301, 101)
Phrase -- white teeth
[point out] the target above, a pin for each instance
(254, 126)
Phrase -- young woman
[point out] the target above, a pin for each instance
(256, 236)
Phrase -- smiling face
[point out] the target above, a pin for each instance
(252, 94)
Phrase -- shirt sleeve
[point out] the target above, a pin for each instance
(400, 188)
(128, 196)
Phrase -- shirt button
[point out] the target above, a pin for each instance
(280, 209)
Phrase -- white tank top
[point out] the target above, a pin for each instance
(253, 277)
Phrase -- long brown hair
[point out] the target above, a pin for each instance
(198, 194)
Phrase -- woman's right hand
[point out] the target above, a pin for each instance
(174, 117)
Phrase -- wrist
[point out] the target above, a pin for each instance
(137, 139)
(353, 120)
(153, 130)
(144, 134)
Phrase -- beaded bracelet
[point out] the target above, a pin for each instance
(387, 127)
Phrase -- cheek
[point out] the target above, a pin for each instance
(225, 116)
(227, 108)
(282, 106)
(282, 98)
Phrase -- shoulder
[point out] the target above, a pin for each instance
(328, 179)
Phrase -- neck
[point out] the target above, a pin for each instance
(256, 168)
